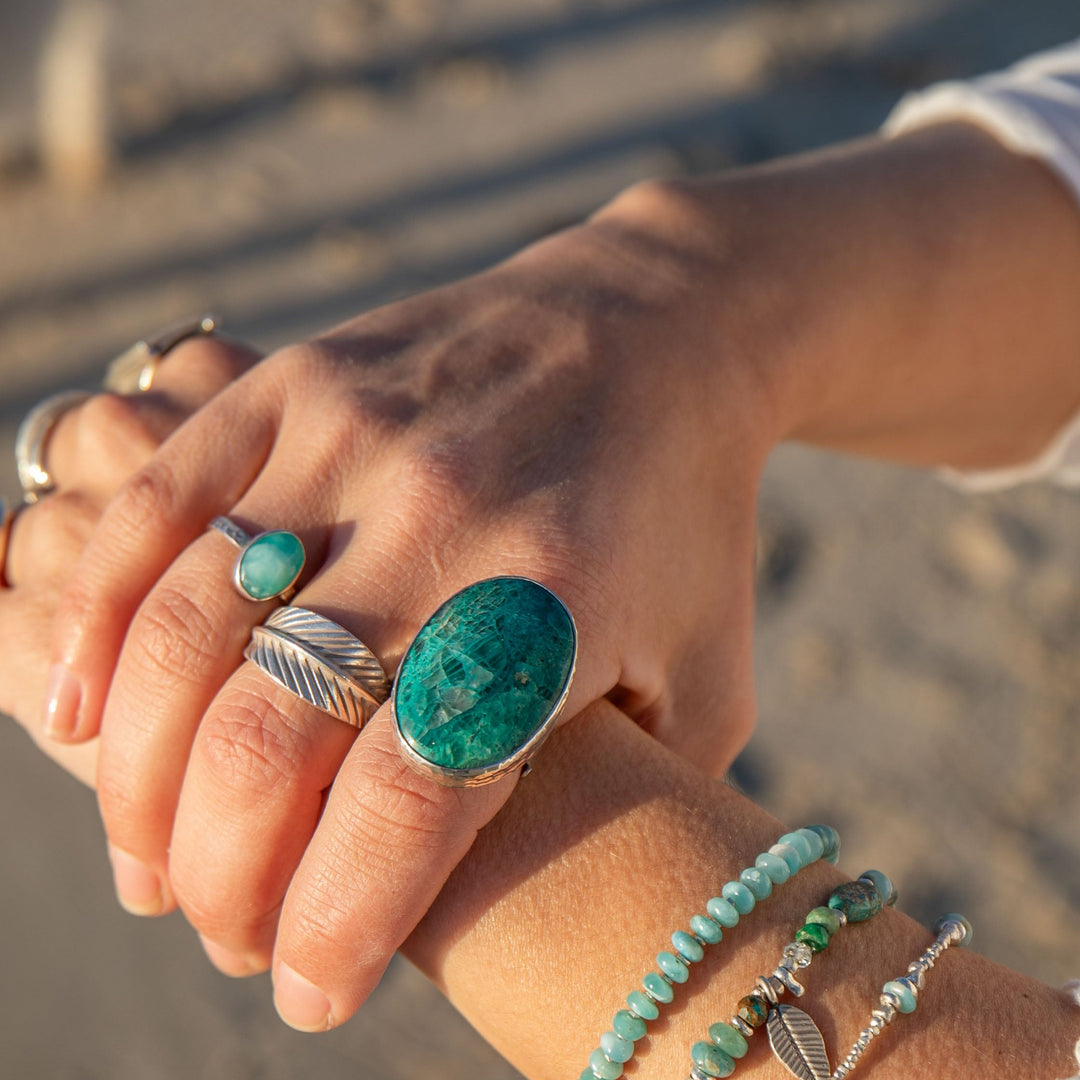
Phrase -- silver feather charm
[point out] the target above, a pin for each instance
(797, 1043)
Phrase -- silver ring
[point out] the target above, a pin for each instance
(268, 565)
(34, 478)
(321, 662)
(134, 369)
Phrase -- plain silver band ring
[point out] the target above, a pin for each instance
(134, 369)
(34, 478)
(7, 519)
(320, 662)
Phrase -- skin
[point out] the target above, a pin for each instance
(525, 424)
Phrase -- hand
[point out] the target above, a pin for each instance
(92, 451)
(569, 416)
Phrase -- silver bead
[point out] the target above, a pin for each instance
(741, 1026)
(795, 988)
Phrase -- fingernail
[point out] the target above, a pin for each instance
(62, 694)
(137, 886)
(227, 961)
(301, 1004)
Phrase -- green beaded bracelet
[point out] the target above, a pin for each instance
(783, 860)
(852, 902)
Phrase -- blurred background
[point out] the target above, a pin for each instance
(287, 165)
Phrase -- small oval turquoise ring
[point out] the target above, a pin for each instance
(268, 565)
(484, 681)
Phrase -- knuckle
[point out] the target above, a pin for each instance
(151, 496)
(219, 907)
(174, 634)
(111, 425)
(61, 523)
(246, 744)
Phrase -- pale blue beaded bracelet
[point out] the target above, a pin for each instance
(783, 860)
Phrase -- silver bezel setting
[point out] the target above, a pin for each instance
(486, 774)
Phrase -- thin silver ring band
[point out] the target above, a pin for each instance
(7, 519)
(133, 371)
(320, 662)
(34, 431)
(231, 531)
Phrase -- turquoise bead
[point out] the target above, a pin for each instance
(825, 916)
(740, 896)
(484, 675)
(858, 900)
(629, 1026)
(587, 1074)
(723, 911)
(757, 881)
(603, 1067)
(953, 916)
(711, 1060)
(643, 1005)
(707, 929)
(790, 855)
(774, 866)
(616, 1047)
(802, 845)
(817, 845)
(729, 1039)
(904, 991)
(831, 839)
(672, 967)
(270, 565)
(659, 988)
(688, 948)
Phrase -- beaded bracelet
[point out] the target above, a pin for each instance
(783, 860)
(902, 995)
(853, 902)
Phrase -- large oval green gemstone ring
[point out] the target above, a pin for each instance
(484, 681)
(268, 565)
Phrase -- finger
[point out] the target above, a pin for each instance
(96, 446)
(385, 844)
(25, 628)
(45, 540)
(153, 517)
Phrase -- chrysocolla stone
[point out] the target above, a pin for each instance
(723, 911)
(707, 929)
(484, 674)
(628, 1025)
(791, 855)
(688, 948)
(729, 1039)
(883, 883)
(904, 992)
(825, 916)
(817, 844)
(270, 564)
(801, 844)
(813, 934)
(739, 896)
(757, 881)
(858, 900)
(672, 967)
(603, 1067)
(642, 1005)
(659, 988)
(831, 840)
(616, 1047)
(711, 1060)
(777, 869)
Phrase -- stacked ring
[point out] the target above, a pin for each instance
(34, 431)
(320, 662)
(268, 564)
(7, 518)
(484, 681)
(134, 369)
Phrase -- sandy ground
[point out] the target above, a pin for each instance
(288, 165)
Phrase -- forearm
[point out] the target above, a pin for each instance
(915, 299)
(613, 843)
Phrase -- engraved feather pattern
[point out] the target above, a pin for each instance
(310, 675)
(334, 644)
(797, 1043)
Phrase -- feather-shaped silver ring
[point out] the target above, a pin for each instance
(320, 662)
